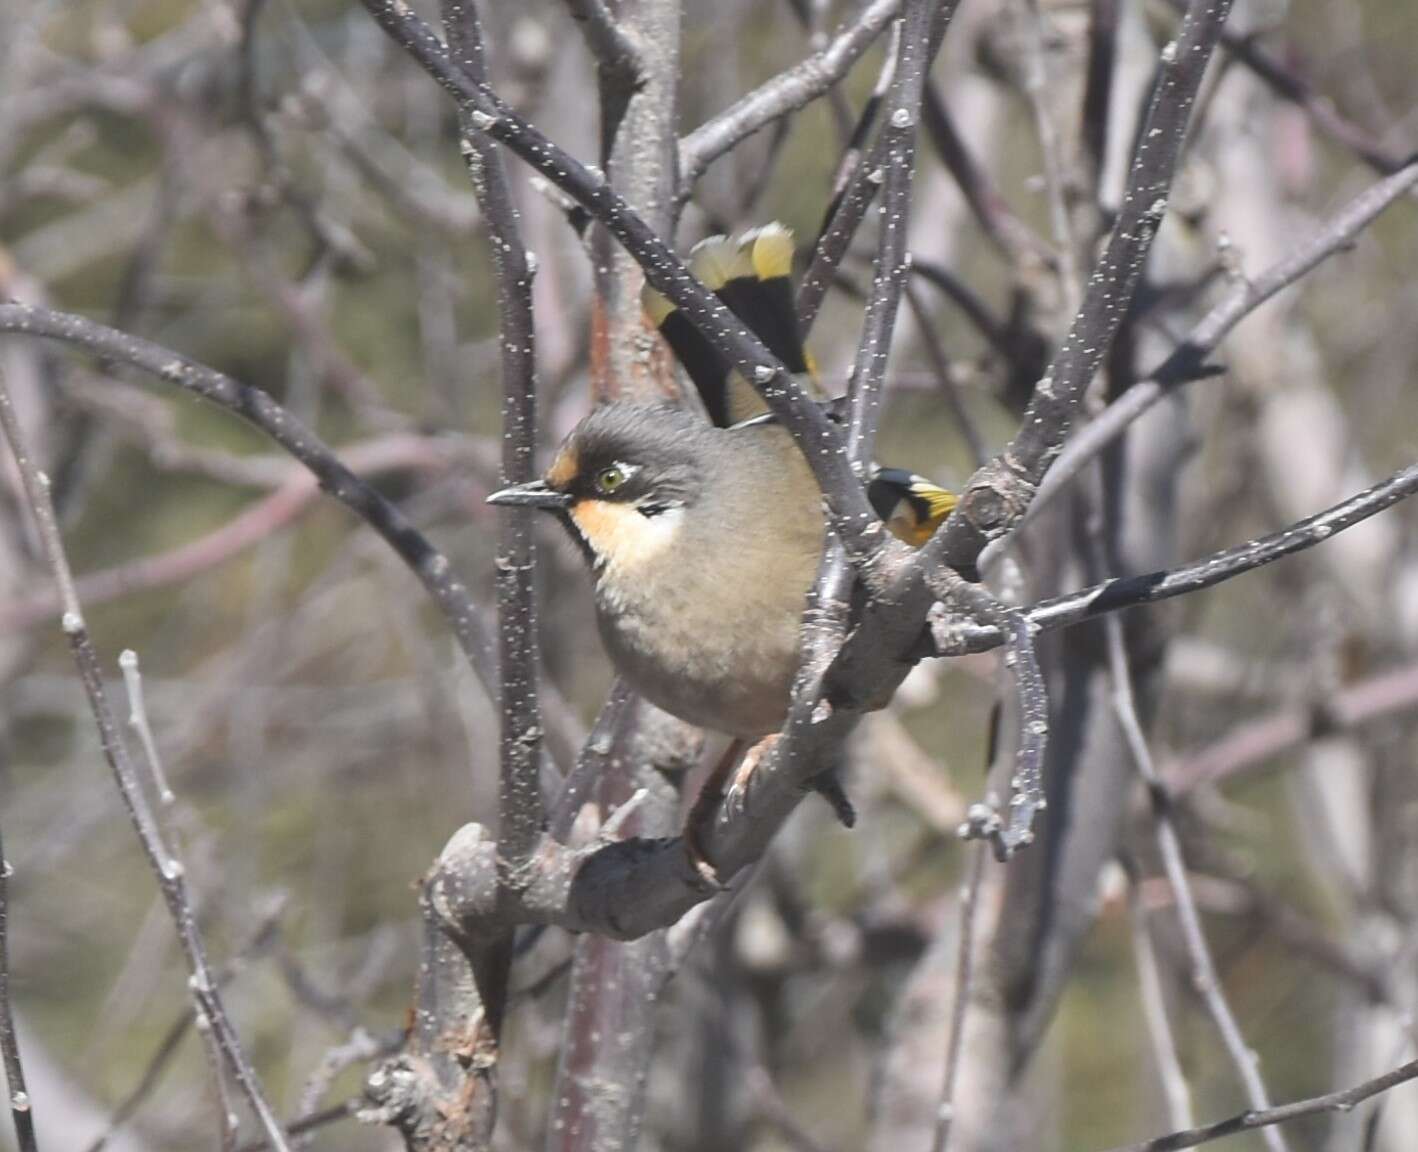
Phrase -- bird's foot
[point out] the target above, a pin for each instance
(737, 795)
(702, 814)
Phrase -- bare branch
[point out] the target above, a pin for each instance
(1187, 361)
(1004, 488)
(20, 1110)
(1014, 238)
(171, 875)
(964, 983)
(1205, 978)
(1154, 1012)
(295, 493)
(851, 516)
(257, 408)
(616, 52)
(1290, 85)
(892, 265)
(1250, 1121)
(1251, 744)
(1128, 591)
(785, 93)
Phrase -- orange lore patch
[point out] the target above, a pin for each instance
(563, 469)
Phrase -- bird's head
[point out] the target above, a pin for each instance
(623, 481)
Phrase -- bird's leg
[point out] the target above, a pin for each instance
(706, 804)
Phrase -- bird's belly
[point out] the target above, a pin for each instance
(727, 678)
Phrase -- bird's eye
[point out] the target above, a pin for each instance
(610, 479)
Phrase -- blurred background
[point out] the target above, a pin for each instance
(273, 189)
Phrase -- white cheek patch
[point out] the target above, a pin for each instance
(623, 539)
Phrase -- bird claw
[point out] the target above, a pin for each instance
(703, 867)
(736, 797)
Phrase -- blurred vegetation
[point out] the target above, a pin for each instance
(320, 732)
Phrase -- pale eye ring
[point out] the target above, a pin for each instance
(609, 480)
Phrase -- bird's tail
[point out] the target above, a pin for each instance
(753, 275)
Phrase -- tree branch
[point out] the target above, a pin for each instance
(171, 876)
(260, 410)
(1249, 1121)
(1187, 361)
(20, 1110)
(785, 93)
(851, 516)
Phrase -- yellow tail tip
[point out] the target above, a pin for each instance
(770, 250)
(717, 260)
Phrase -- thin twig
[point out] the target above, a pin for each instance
(1056, 182)
(964, 983)
(258, 408)
(1322, 111)
(838, 231)
(520, 804)
(1187, 361)
(1252, 743)
(1345, 1100)
(1205, 978)
(171, 875)
(1154, 1013)
(1013, 831)
(955, 638)
(138, 722)
(892, 264)
(295, 492)
(20, 1110)
(615, 51)
(227, 1120)
(1010, 234)
(940, 367)
(785, 93)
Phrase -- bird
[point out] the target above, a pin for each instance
(704, 537)
(703, 543)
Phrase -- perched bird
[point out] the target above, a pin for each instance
(704, 538)
(704, 542)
